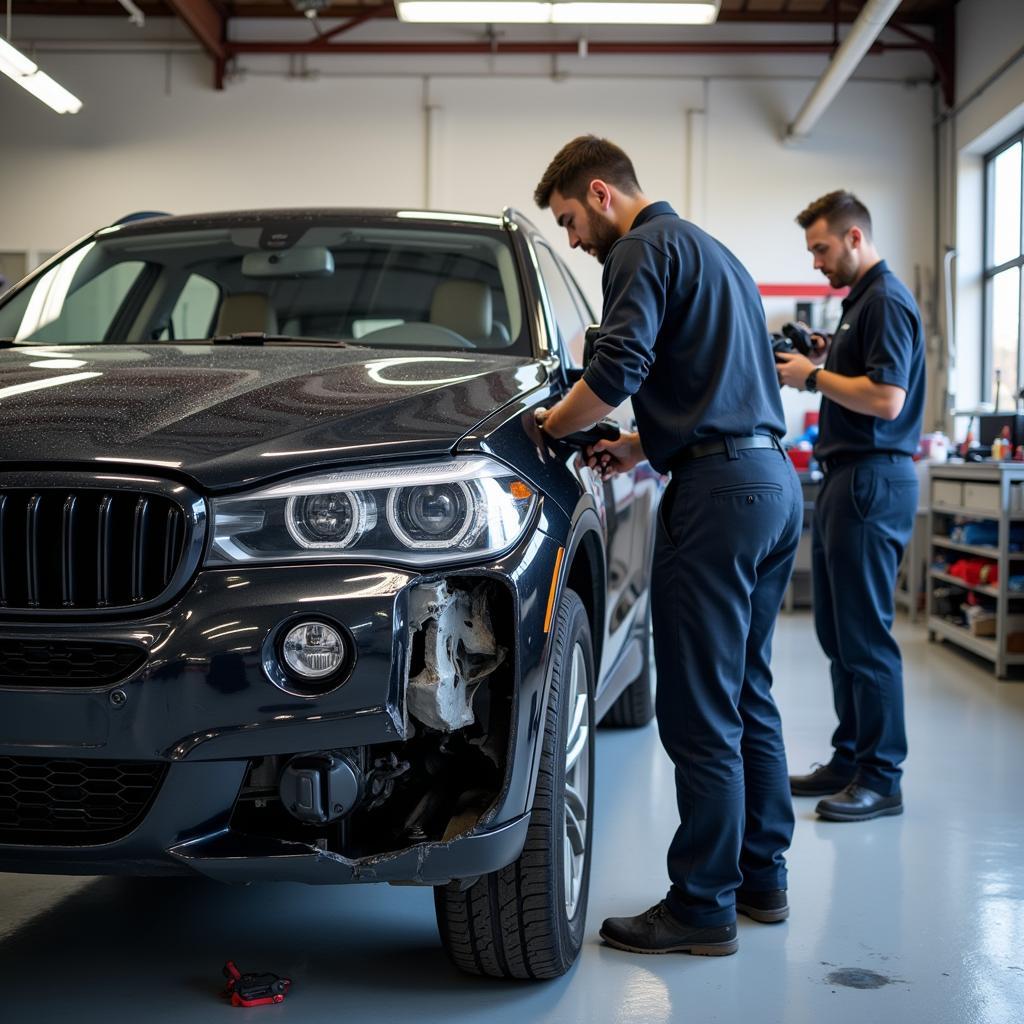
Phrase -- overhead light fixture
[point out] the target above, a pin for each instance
(561, 12)
(16, 66)
(311, 8)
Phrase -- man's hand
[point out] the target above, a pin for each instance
(793, 369)
(609, 458)
(820, 343)
(580, 409)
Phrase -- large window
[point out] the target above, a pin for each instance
(1004, 272)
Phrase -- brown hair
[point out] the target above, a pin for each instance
(842, 210)
(578, 162)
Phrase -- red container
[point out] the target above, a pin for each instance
(800, 457)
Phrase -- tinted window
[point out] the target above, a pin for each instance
(571, 327)
(193, 312)
(69, 303)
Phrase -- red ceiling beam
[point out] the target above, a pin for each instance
(571, 47)
(210, 27)
(106, 8)
(97, 9)
(387, 10)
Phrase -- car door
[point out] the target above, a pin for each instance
(614, 497)
(636, 501)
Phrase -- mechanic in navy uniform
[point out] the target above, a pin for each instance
(683, 334)
(872, 388)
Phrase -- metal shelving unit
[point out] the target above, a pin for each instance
(977, 491)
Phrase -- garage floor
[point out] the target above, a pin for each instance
(928, 908)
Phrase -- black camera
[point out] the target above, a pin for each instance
(793, 339)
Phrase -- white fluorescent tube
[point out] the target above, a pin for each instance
(484, 11)
(600, 13)
(20, 69)
(564, 12)
(14, 62)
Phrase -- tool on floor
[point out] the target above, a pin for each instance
(254, 989)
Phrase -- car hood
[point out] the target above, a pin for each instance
(225, 416)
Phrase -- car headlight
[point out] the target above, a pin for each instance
(460, 510)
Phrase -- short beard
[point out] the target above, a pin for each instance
(603, 235)
(846, 270)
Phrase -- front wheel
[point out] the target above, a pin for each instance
(527, 920)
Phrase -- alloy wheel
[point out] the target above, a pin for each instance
(577, 781)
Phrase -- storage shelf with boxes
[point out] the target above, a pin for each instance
(975, 595)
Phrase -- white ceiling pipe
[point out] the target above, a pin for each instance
(135, 15)
(863, 33)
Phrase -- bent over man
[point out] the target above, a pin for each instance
(683, 333)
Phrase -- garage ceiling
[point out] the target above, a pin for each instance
(924, 25)
(914, 11)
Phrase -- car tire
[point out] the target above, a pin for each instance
(634, 707)
(527, 920)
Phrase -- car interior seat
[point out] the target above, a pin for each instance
(245, 313)
(465, 307)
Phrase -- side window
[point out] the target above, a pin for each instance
(571, 328)
(83, 314)
(193, 312)
(581, 303)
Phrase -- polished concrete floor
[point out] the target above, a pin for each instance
(905, 920)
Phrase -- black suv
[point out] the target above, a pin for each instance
(291, 587)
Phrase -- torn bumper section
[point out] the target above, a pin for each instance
(459, 650)
(412, 809)
(231, 858)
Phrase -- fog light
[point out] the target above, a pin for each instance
(313, 650)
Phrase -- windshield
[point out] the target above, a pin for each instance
(406, 286)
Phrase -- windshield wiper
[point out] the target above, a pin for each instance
(262, 338)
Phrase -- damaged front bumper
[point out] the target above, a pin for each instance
(229, 857)
(439, 716)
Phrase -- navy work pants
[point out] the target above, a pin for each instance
(863, 518)
(728, 528)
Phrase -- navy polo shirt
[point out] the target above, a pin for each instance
(684, 334)
(880, 336)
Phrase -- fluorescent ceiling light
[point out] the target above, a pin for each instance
(561, 12)
(20, 69)
(488, 11)
(605, 12)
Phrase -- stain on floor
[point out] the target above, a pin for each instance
(857, 977)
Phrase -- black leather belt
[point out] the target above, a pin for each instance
(834, 462)
(720, 446)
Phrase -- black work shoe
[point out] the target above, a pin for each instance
(657, 931)
(858, 803)
(768, 907)
(822, 781)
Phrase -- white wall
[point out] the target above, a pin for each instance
(466, 133)
(989, 33)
